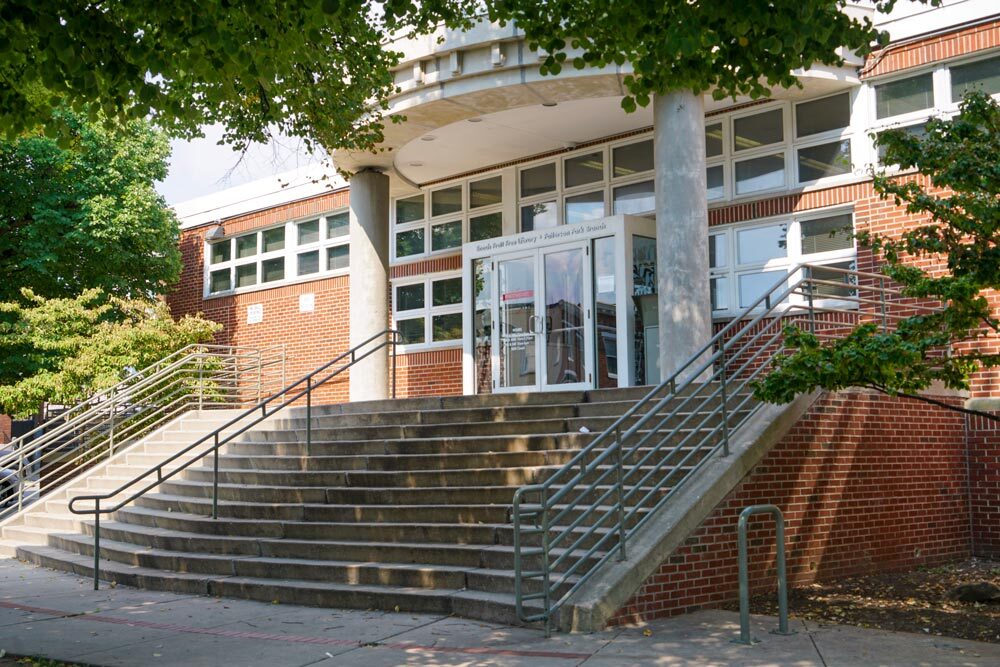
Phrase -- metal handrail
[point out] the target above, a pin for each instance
(195, 376)
(585, 511)
(246, 420)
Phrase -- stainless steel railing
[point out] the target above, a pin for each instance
(586, 512)
(194, 377)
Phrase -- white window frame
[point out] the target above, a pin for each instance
(821, 138)
(427, 312)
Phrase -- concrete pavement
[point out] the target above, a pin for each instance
(59, 616)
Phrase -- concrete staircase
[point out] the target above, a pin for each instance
(396, 504)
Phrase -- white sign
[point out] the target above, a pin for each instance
(531, 240)
(255, 313)
(307, 303)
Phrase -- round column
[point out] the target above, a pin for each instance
(369, 233)
(681, 228)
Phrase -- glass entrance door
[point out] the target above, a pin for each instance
(543, 337)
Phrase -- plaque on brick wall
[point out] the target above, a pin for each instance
(307, 303)
(255, 313)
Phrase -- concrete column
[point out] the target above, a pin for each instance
(681, 228)
(369, 280)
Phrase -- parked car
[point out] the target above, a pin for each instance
(8, 487)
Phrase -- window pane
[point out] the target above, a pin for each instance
(246, 246)
(983, 75)
(246, 275)
(221, 251)
(759, 130)
(715, 179)
(762, 173)
(538, 180)
(338, 257)
(755, 285)
(410, 243)
(410, 209)
(273, 239)
(410, 297)
(486, 192)
(825, 160)
(446, 201)
(583, 169)
(485, 226)
(846, 279)
(308, 232)
(448, 235)
(273, 269)
(758, 245)
(713, 140)
(447, 327)
(634, 199)
(585, 207)
(827, 234)
(720, 293)
(919, 131)
(905, 96)
(308, 263)
(539, 216)
(831, 113)
(338, 224)
(219, 281)
(633, 158)
(718, 255)
(447, 292)
(411, 331)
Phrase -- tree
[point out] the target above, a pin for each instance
(959, 157)
(86, 215)
(64, 349)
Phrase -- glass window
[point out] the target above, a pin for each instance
(411, 331)
(643, 266)
(605, 312)
(308, 263)
(338, 257)
(219, 281)
(829, 273)
(635, 198)
(446, 292)
(308, 232)
(447, 201)
(539, 216)
(827, 234)
(410, 243)
(447, 327)
(716, 182)
(830, 113)
(273, 269)
(919, 131)
(410, 297)
(583, 169)
(981, 75)
(448, 235)
(761, 244)
(752, 286)
(762, 173)
(486, 192)
(221, 251)
(338, 224)
(718, 252)
(246, 246)
(273, 239)
(758, 130)
(409, 209)
(581, 208)
(713, 140)
(719, 286)
(632, 158)
(246, 275)
(904, 96)
(538, 180)
(485, 226)
(825, 160)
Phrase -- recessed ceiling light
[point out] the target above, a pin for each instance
(416, 164)
(429, 137)
(549, 104)
(475, 120)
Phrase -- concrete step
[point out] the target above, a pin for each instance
(413, 446)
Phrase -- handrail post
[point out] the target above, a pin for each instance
(744, 576)
(622, 554)
(392, 337)
(725, 410)
(810, 299)
(309, 422)
(215, 478)
(97, 541)
(546, 592)
(201, 382)
(885, 312)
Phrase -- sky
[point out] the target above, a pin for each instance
(201, 166)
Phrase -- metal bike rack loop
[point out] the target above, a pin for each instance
(779, 521)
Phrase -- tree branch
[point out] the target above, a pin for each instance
(940, 404)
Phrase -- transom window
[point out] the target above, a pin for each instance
(293, 251)
(428, 312)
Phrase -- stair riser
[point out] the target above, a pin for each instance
(404, 432)
(472, 415)
(397, 463)
(408, 480)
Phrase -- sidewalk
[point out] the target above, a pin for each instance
(59, 616)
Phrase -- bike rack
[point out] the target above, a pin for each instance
(779, 521)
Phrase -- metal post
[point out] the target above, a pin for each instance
(309, 422)
(809, 299)
(744, 577)
(622, 554)
(885, 313)
(97, 541)
(201, 381)
(215, 478)
(545, 565)
(392, 337)
(725, 411)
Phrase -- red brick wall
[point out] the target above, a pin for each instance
(865, 482)
(4, 429)
(984, 485)
(432, 373)
(895, 58)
